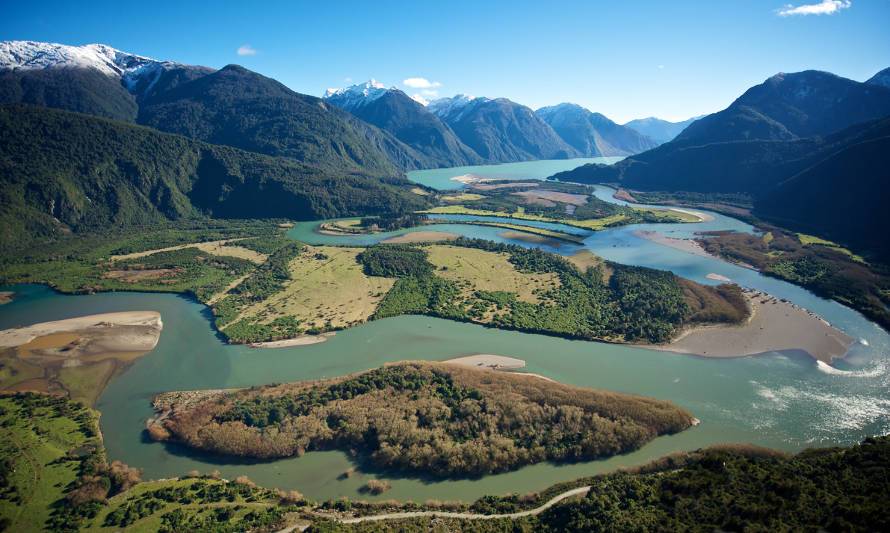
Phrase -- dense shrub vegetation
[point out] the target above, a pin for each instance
(393, 261)
(427, 418)
(634, 304)
(726, 488)
(825, 269)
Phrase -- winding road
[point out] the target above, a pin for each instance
(445, 514)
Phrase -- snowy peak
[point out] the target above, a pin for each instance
(133, 70)
(356, 95)
(444, 107)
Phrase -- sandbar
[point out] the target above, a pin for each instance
(774, 325)
(105, 322)
(686, 245)
(485, 360)
(421, 236)
(6, 297)
(302, 340)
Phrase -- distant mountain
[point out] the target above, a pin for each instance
(792, 106)
(64, 171)
(500, 130)
(660, 131)
(410, 122)
(233, 106)
(237, 107)
(882, 78)
(592, 134)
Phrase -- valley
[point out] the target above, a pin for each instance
(266, 296)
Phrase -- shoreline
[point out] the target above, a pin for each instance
(774, 325)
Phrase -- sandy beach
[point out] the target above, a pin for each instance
(421, 236)
(302, 340)
(703, 217)
(774, 325)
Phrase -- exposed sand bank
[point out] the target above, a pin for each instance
(703, 217)
(773, 325)
(421, 236)
(718, 277)
(150, 321)
(533, 238)
(76, 357)
(302, 340)
(6, 297)
(499, 362)
(686, 245)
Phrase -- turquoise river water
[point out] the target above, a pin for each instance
(781, 400)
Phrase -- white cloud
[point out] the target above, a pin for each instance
(429, 93)
(825, 7)
(420, 83)
(246, 50)
(660, 67)
(347, 79)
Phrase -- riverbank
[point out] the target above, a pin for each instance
(773, 325)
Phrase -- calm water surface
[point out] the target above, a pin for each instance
(782, 400)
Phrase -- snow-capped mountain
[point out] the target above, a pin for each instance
(452, 106)
(133, 70)
(407, 119)
(357, 95)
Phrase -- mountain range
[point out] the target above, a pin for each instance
(409, 121)
(592, 134)
(660, 131)
(797, 144)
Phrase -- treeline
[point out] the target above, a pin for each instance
(427, 418)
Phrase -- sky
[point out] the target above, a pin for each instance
(626, 59)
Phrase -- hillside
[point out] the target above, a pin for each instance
(500, 130)
(410, 122)
(65, 171)
(428, 418)
(592, 134)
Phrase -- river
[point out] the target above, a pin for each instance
(781, 400)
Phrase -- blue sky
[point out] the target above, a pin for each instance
(626, 59)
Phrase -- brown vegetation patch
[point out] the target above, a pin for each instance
(548, 198)
(136, 275)
(434, 418)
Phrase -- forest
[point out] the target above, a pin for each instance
(630, 304)
(429, 419)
